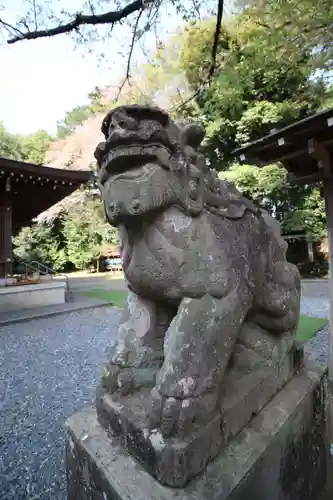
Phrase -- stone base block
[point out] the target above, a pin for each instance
(15, 298)
(251, 382)
(282, 454)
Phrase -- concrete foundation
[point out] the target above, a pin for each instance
(14, 298)
(282, 454)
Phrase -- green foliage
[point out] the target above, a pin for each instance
(78, 115)
(85, 230)
(197, 48)
(40, 243)
(327, 102)
(10, 145)
(162, 80)
(31, 148)
(295, 25)
(258, 119)
(76, 240)
(296, 208)
(74, 117)
(264, 79)
(260, 83)
(96, 101)
(252, 91)
(267, 187)
(35, 147)
(309, 215)
(117, 298)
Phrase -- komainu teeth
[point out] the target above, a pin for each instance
(158, 150)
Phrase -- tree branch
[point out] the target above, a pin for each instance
(81, 19)
(207, 81)
(128, 69)
(217, 33)
(35, 13)
(10, 28)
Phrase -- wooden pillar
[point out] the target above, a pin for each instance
(328, 194)
(325, 167)
(310, 251)
(5, 228)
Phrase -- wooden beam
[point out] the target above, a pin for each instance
(321, 155)
(5, 229)
(271, 152)
(328, 195)
(305, 179)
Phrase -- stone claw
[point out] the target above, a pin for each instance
(176, 417)
(109, 380)
(117, 379)
(125, 379)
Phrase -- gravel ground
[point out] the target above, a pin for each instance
(315, 303)
(43, 366)
(48, 370)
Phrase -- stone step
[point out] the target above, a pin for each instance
(74, 302)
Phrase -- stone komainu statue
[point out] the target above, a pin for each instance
(207, 334)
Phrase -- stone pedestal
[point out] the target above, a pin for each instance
(282, 454)
(18, 297)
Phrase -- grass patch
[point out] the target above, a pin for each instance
(307, 326)
(117, 298)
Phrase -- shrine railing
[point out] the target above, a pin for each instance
(42, 269)
(49, 271)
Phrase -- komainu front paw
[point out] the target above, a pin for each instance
(125, 380)
(177, 417)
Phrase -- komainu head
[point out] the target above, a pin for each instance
(148, 163)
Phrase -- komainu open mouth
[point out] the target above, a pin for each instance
(138, 173)
(122, 159)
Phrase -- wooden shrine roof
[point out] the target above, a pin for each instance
(301, 147)
(35, 188)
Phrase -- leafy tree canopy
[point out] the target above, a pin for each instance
(85, 230)
(31, 148)
(259, 70)
(40, 243)
(251, 92)
(298, 209)
(290, 24)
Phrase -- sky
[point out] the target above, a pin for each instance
(42, 79)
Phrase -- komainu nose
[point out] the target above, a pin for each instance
(99, 152)
(113, 209)
(121, 121)
(135, 206)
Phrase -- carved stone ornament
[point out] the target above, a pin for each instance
(207, 334)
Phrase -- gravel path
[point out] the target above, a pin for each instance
(315, 303)
(43, 366)
(48, 370)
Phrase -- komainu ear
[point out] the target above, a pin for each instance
(194, 200)
(193, 135)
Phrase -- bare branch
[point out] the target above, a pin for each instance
(128, 69)
(81, 19)
(196, 8)
(25, 24)
(187, 101)
(217, 33)
(10, 28)
(35, 13)
(207, 81)
(92, 10)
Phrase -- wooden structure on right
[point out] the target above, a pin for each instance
(305, 149)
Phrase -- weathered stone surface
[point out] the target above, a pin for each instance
(213, 304)
(248, 386)
(282, 454)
